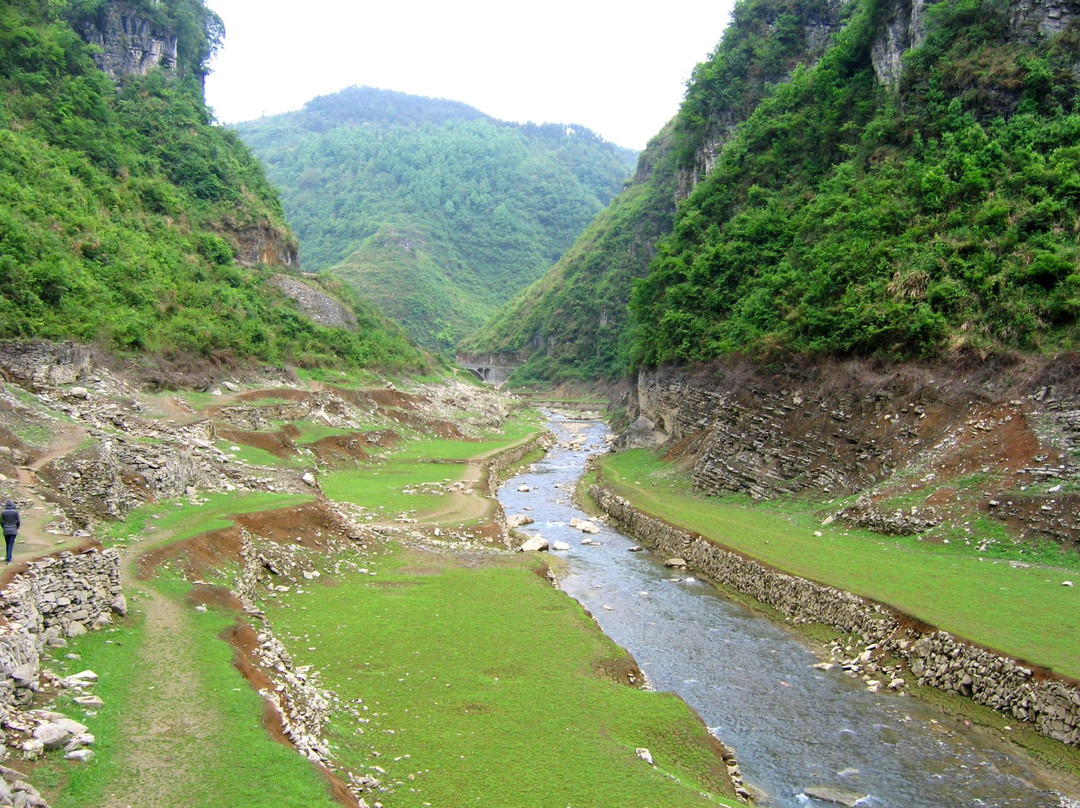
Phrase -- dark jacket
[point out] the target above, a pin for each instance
(9, 519)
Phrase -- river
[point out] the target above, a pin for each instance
(792, 726)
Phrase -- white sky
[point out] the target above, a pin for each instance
(618, 68)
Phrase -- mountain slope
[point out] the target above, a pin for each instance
(487, 206)
(860, 212)
(873, 178)
(574, 322)
(126, 218)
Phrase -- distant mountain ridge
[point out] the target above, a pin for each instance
(484, 206)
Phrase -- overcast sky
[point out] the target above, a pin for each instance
(599, 63)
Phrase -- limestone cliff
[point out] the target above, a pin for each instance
(130, 42)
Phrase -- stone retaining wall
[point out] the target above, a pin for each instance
(937, 658)
(59, 596)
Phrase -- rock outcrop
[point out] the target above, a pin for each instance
(130, 42)
(880, 432)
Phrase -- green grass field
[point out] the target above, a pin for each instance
(226, 723)
(476, 685)
(176, 520)
(1024, 612)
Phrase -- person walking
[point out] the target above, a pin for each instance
(9, 520)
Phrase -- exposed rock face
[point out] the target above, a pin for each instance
(45, 363)
(841, 429)
(263, 245)
(131, 43)
(905, 30)
(318, 306)
(1032, 20)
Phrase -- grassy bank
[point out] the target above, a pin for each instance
(1021, 611)
(175, 709)
(471, 681)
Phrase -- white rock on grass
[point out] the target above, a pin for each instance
(645, 755)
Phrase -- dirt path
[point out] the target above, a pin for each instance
(170, 726)
(33, 540)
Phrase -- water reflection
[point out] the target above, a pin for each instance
(792, 726)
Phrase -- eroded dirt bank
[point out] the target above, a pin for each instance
(905, 448)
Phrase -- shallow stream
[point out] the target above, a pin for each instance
(792, 726)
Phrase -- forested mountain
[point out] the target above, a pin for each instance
(870, 178)
(126, 217)
(430, 208)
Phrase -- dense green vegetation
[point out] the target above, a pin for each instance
(573, 322)
(123, 209)
(845, 219)
(433, 210)
(836, 214)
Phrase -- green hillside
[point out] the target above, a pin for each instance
(127, 218)
(922, 206)
(848, 218)
(573, 322)
(436, 212)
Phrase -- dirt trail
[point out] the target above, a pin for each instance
(33, 540)
(171, 724)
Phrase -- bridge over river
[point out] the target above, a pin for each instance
(491, 368)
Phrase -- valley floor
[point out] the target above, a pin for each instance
(319, 568)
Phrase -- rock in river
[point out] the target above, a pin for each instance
(838, 796)
(534, 545)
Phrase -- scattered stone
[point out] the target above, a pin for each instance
(637, 548)
(52, 736)
(536, 544)
(560, 546)
(309, 479)
(1066, 583)
(232, 387)
(518, 520)
(645, 755)
(89, 702)
(677, 563)
(81, 755)
(838, 796)
(524, 489)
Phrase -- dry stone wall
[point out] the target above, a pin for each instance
(937, 658)
(59, 596)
